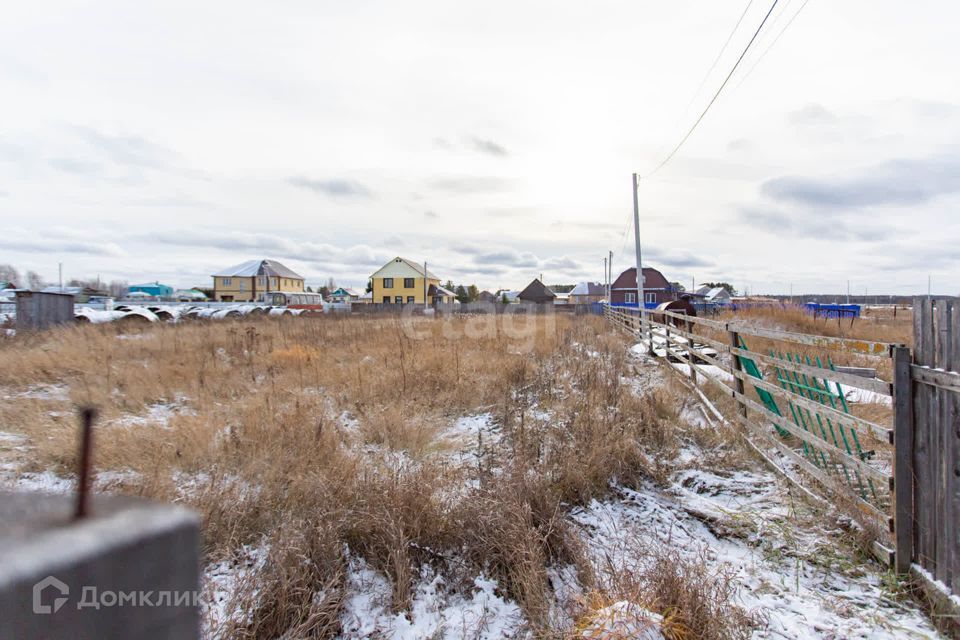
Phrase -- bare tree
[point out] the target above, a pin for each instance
(118, 288)
(9, 273)
(35, 281)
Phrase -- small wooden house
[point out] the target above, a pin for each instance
(537, 292)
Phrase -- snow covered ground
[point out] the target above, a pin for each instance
(788, 563)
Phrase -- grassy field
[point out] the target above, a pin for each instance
(322, 439)
(411, 446)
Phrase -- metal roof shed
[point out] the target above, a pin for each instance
(43, 309)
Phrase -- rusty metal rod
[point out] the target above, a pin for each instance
(87, 416)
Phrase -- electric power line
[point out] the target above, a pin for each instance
(716, 60)
(717, 94)
(771, 45)
(706, 76)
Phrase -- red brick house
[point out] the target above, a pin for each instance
(655, 285)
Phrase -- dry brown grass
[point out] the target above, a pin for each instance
(324, 438)
(878, 325)
(696, 598)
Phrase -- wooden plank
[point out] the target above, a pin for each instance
(829, 483)
(944, 610)
(946, 310)
(868, 347)
(949, 380)
(716, 344)
(923, 506)
(863, 372)
(903, 458)
(846, 419)
(938, 449)
(806, 436)
(879, 431)
(737, 367)
(953, 450)
(827, 411)
(816, 441)
(851, 380)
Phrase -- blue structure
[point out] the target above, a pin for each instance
(833, 310)
(633, 305)
(154, 289)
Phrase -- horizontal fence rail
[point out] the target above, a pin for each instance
(794, 404)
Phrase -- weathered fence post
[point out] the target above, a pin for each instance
(667, 347)
(903, 457)
(737, 369)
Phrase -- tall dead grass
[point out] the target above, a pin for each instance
(323, 439)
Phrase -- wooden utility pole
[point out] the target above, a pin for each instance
(609, 276)
(635, 182)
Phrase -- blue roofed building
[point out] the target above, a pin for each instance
(154, 289)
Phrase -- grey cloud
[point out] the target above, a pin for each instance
(74, 166)
(812, 113)
(589, 226)
(173, 201)
(473, 143)
(335, 187)
(129, 150)
(830, 228)
(488, 147)
(935, 109)
(511, 212)
(674, 258)
(53, 244)
(471, 184)
(900, 181)
(492, 270)
(508, 257)
(897, 258)
(561, 264)
(271, 246)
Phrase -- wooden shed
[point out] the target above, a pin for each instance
(537, 292)
(42, 309)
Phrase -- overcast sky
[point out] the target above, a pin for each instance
(493, 139)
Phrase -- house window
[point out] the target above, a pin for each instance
(630, 298)
(398, 299)
(226, 298)
(243, 285)
(226, 282)
(408, 283)
(388, 283)
(386, 299)
(410, 299)
(651, 297)
(262, 281)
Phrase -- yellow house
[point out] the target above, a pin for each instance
(403, 281)
(247, 282)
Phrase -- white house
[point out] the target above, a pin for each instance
(717, 295)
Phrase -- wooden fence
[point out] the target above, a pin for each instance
(935, 451)
(899, 468)
(794, 404)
